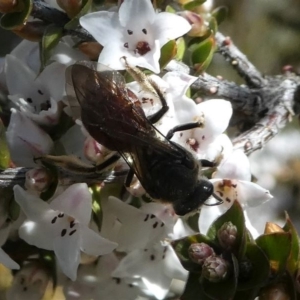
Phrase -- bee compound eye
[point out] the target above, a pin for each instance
(202, 192)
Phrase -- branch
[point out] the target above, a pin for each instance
(12, 176)
(42, 11)
(239, 61)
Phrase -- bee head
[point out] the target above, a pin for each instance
(204, 189)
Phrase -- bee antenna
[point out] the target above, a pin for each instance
(219, 200)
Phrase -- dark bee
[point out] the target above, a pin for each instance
(113, 116)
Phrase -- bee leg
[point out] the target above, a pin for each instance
(183, 127)
(207, 163)
(129, 178)
(158, 115)
(107, 163)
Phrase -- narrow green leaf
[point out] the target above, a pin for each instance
(294, 255)
(168, 52)
(234, 215)
(277, 247)
(202, 54)
(86, 5)
(181, 47)
(4, 151)
(50, 39)
(16, 19)
(254, 269)
(191, 5)
(220, 14)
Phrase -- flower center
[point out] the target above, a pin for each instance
(142, 48)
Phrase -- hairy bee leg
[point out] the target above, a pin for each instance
(183, 127)
(129, 178)
(99, 168)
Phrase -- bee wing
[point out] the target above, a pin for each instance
(110, 112)
(81, 77)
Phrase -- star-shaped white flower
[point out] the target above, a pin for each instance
(29, 283)
(232, 182)
(26, 140)
(62, 226)
(135, 31)
(206, 142)
(155, 266)
(35, 96)
(134, 228)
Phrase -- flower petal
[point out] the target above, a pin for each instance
(19, 77)
(68, 254)
(235, 166)
(26, 140)
(7, 261)
(93, 244)
(247, 193)
(76, 201)
(102, 26)
(168, 26)
(136, 14)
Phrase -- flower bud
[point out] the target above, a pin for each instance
(198, 252)
(199, 27)
(94, 151)
(215, 268)
(227, 235)
(278, 291)
(37, 180)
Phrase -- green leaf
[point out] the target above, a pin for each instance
(193, 4)
(234, 215)
(254, 269)
(4, 151)
(202, 54)
(181, 47)
(277, 247)
(16, 19)
(220, 14)
(223, 290)
(293, 259)
(168, 52)
(86, 5)
(50, 39)
(181, 248)
(213, 25)
(193, 289)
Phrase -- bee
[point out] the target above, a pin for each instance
(113, 116)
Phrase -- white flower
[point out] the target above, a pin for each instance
(28, 52)
(135, 228)
(232, 182)
(36, 97)
(29, 283)
(206, 142)
(95, 282)
(26, 140)
(136, 31)
(155, 266)
(62, 226)
(66, 53)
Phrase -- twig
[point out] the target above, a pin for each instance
(42, 11)
(239, 61)
(12, 176)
